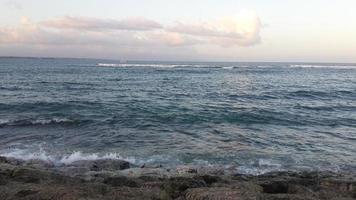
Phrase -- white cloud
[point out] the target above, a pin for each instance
(139, 36)
(243, 30)
(95, 24)
(13, 4)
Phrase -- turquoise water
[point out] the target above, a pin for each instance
(254, 116)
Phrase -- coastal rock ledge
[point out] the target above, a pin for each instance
(114, 179)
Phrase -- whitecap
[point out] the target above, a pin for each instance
(323, 66)
(228, 67)
(25, 154)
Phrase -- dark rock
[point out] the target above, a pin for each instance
(24, 193)
(3, 159)
(210, 179)
(175, 186)
(103, 164)
(36, 163)
(11, 161)
(99, 180)
(339, 185)
(121, 181)
(187, 170)
(218, 194)
(275, 187)
(3, 180)
(26, 175)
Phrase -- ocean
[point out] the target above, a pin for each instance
(252, 117)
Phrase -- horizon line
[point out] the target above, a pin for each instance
(192, 61)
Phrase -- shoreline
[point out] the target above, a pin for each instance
(118, 179)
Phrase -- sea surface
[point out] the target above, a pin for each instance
(252, 117)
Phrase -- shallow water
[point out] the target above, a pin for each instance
(255, 116)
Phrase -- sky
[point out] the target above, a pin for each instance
(181, 30)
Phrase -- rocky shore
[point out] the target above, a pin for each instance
(117, 179)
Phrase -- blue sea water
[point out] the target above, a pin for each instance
(255, 117)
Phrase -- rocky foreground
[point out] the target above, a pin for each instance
(114, 179)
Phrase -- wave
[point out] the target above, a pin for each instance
(257, 167)
(35, 122)
(263, 165)
(324, 66)
(152, 65)
(23, 154)
(228, 67)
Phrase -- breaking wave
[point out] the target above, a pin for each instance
(24, 154)
(148, 65)
(36, 122)
(325, 66)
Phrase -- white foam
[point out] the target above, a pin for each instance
(228, 67)
(4, 121)
(23, 154)
(75, 156)
(107, 65)
(49, 121)
(324, 66)
(149, 65)
(8, 122)
(261, 167)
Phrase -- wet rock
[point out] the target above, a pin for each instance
(73, 171)
(36, 163)
(101, 165)
(146, 172)
(11, 161)
(36, 180)
(211, 170)
(187, 170)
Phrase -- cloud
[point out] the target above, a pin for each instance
(13, 4)
(130, 36)
(243, 29)
(95, 24)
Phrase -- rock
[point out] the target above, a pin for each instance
(36, 163)
(3, 180)
(275, 187)
(287, 197)
(73, 171)
(218, 194)
(146, 172)
(24, 193)
(210, 170)
(27, 175)
(175, 186)
(99, 180)
(340, 185)
(37, 176)
(11, 161)
(186, 170)
(121, 181)
(208, 179)
(101, 165)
